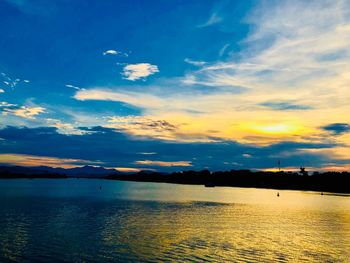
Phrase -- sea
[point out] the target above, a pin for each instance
(95, 220)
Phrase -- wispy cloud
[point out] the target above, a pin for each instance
(283, 52)
(73, 87)
(164, 163)
(214, 18)
(6, 104)
(33, 160)
(223, 49)
(134, 98)
(285, 106)
(139, 71)
(194, 62)
(8, 81)
(130, 169)
(247, 155)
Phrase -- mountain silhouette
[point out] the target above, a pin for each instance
(39, 171)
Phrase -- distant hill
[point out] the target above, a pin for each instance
(84, 171)
(41, 171)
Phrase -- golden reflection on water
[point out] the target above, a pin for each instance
(131, 222)
(219, 232)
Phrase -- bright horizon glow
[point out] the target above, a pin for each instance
(277, 129)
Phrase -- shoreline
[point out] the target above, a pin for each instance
(275, 187)
(236, 186)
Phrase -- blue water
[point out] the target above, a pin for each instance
(75, 221)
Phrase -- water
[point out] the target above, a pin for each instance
(76, 221)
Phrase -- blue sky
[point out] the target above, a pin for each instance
(173, 85)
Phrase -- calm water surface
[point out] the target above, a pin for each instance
(76, 221)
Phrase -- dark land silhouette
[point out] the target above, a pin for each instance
(50, 172)
(337, 182)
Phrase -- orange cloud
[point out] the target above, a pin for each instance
(25, 112)
(132, 170)
(33, 160)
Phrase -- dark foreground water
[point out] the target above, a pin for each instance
(76, 221)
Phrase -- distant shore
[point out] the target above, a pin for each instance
(336, 182)
(322, 182)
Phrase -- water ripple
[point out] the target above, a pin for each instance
(79, 229)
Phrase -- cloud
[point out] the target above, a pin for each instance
(11, 82)
(117, 149)
(144, 122)
(223, 49)
(114, 53)
(165, 164)
(110, 52)
(195, 63)
(139, 71)
(148, 153)
(73, 87)
(129, 169)
(337, 128)
(160, 98)
(2, 91)
(134, 98)
(64, 128)
(282, 51)
(194, 120)
(24, 111)
(33, 160)
(143, 126)
(6, 104)
(285, 106)
(215, 18)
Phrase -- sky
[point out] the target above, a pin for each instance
(175, 85)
